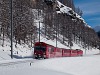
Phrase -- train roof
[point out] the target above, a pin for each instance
(43, 43)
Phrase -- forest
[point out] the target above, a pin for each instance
(28, 13)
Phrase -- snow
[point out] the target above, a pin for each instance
(52, 42)
(65, 9)
(24, 64)
(88, 64)
(19, 51)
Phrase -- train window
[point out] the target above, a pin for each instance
(40, 48)
(51, 49)
(74, 51)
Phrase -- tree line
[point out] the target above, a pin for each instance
(63, 27)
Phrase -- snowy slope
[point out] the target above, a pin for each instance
(19, 51)
(23, 51)
(69, 11)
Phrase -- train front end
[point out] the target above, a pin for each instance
(39, 50)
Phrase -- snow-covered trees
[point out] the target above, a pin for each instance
(68, 3)
(23, 20)
(23, 26)
(61, 26)
(4, 18)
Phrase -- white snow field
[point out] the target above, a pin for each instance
(86, 65)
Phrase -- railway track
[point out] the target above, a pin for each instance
(17, 62)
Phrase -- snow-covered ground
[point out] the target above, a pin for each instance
(86, 65)
(24, 64)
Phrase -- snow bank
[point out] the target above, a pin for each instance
(88, 65)
(19, 51)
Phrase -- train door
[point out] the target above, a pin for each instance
(51, 53)
(58, 52)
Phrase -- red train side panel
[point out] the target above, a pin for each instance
(50, 51)
(43, 50)
(74, 53)
(66, 52)
(80, 52)
(58, 52)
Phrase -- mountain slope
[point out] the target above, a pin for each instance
(97, 28)
(64, 26)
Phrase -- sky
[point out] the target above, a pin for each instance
(91, 11)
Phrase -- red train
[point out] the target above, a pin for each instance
(44, 50)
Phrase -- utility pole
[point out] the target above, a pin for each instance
(56, 28)
(39, 31)
(56, 34)
(85, 51)
(11, 8)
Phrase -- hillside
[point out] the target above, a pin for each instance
(55, 22)
(63, 24)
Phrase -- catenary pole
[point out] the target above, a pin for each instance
(39, 31)
(11, 11)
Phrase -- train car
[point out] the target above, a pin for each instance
(70, 53)
(44, 50)
(66, 52)
(39, 50)
(58, 52)
(50, 51)
(74, 53)
(79, 52)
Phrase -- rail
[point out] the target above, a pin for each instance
(17, 62)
